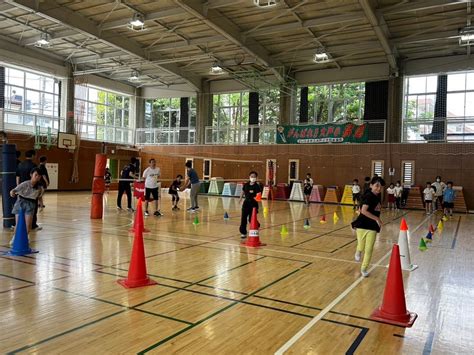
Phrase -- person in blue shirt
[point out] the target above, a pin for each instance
(192, 179)
(448, 199)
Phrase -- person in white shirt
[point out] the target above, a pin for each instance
(391, 196)
(355, 193)
(151, 175)
(439, 187)
(398, 190)
(428, 195)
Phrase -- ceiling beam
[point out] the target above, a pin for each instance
(323, 21)
(54, 36)
(427, 37)
(381, 31)
(174, 11)
(53, 11)
(222, 25)
(419, 5)
(190, 42)
(215, 4)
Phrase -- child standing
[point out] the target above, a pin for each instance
(107, 179)
(448, 199)
(28, 192)
(391, 196)
(308, 187)
(249, 190)
(428, 195)
(173, 191)
(398, 190)
(368, 223)
(355, 193)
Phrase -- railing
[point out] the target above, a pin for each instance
(19, 121)
(255, 134)
(150, 136)
(438, 130)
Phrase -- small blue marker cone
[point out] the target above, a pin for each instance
(226, 216)
(21, 245)
(306, 223)
(429, 237)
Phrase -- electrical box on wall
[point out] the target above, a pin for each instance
(53, 173)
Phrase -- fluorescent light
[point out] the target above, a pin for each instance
(265, 3)
(43, 41)
(137, 23)
(466, 36)
(322, 57)
(216, 69)
(135, 76)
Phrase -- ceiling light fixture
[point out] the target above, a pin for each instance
(265, 3)
(321, 57)
(216, 69)
(466, 36)
(137, 23)
(135, 76)
(44, 40)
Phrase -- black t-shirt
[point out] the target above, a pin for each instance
(364, 222)
(44, 173)
(250, 192)
(108, 177)
(174, 187)
(23, 170)
(127, 170)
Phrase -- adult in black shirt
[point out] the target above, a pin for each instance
(368, 223)
(127, 174)
(249, 191)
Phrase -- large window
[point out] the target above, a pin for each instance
(230, 117)
(460, 97)
(269, 107)
(420, 97)
(31, 92)
(165, 113)
(336, 102)
(103, 115)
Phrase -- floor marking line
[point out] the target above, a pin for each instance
(330, 306)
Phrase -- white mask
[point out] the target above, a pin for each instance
(438, 180)
(253, 179)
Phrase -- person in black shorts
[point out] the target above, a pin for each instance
(307, 188)
(127, 174)
(173, 191)
(249, 191)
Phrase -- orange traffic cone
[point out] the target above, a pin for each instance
(138, 221)
(323, 219)
(137, 276)
(258, 198)
(253, 240)
(393, 309)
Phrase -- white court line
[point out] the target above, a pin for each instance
(328, 308)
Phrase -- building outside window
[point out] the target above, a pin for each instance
(230, 117)
(103, 115)
(269, 107)
(335, 102)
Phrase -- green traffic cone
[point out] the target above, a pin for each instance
(283, 231)
(196, 220)
(306, 223)
(422, 245)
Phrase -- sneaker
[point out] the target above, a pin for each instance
(190, 209)
(146, 213)
(174, 208)
(37, 228)
(130, 210)
(196, 208)
(364, 273)
(157, 214)
(177, 208)
(119, 208)
(243, 236)
(357, 256)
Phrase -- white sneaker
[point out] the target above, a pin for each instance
(146, 213)
(357, 256)
(364, 273)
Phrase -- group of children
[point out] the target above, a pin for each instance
(435, 195)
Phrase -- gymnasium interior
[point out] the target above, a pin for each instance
(312, 98)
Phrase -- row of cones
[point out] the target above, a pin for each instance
(335, 218)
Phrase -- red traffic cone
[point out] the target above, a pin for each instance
(137, 276)
(432, 230)
(393, 309)
(138, 221)
(403, 225)
(258, 198)
(323, 219)
(253, 240)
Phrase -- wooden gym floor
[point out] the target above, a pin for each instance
(215, 296)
